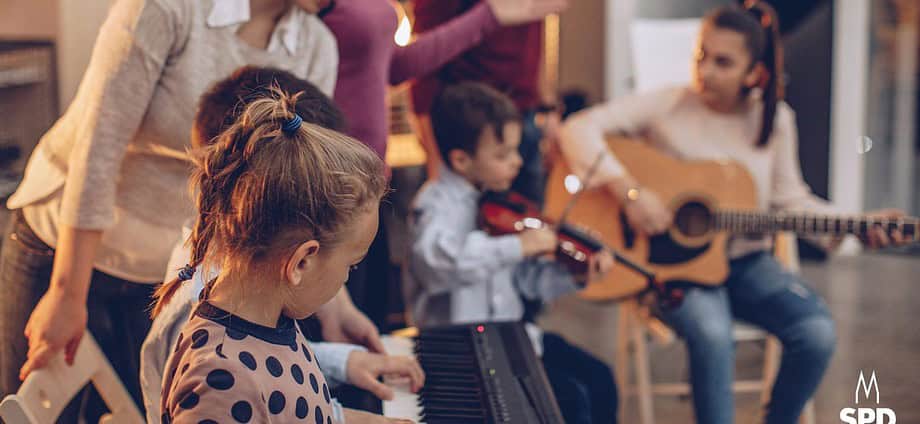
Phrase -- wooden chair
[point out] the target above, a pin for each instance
(47, 391)
(636, 326)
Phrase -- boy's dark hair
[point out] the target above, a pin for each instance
(222, 104)
(463, 111)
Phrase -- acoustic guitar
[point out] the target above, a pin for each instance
(710, 200)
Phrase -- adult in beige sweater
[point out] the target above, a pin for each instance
(105, 192)
(733, 110)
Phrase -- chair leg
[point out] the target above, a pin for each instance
(12, 411)
(643, 374)
(623, 358)
(772, 354)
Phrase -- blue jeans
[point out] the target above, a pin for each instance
(761, 292)
(117, 318)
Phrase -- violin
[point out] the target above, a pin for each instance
(511, 213)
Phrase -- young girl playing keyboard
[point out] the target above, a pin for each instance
(288, 207)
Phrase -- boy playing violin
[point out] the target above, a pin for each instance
(457, 273)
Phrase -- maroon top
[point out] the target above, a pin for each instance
(508, 59)
(370, 60)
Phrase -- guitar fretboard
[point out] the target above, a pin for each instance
(760, 222)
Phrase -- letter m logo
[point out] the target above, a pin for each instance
(866, 388)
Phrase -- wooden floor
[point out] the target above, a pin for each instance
(875, 300)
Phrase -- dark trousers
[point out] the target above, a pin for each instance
(531, 181)
(370, 282)
(117, 311)
(582, 384)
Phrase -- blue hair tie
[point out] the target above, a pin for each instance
(292, 125)
(186, 273)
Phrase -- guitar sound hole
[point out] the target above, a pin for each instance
(693, 219)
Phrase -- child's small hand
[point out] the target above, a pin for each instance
(599, 265)
(354, 416)
(364, 368)
(536, 242)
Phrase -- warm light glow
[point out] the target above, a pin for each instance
(572, 184)
(404, 32)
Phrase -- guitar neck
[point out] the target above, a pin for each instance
(806, 224)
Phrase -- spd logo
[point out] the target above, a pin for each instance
(867, 415)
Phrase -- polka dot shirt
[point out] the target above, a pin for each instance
(228, 370)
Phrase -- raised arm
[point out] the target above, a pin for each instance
(436, 47)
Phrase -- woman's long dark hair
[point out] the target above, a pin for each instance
(758, 23)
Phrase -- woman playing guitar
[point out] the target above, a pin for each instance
(732, 110)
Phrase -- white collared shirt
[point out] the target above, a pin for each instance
(236, 12)
(457, 273)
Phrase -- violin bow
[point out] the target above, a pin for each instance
(575, 196)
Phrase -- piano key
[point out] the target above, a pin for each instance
(404, 403)
(474, 374)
